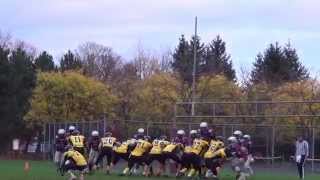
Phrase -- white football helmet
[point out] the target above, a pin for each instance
(237, 133)
(72, 128)
(61, 131)
(232, 139)
(203, 124)
(141, 130)
(181, 132)
(94, 133)
(193, 132)
(247, 136)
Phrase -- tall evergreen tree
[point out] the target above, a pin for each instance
(44, 62)
(183, 58)
(17, 80)
(299, 72)
(278, 65)
(217, 61)
(70, 61)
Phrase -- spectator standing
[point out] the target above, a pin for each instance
(302, 153)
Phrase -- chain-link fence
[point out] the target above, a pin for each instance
(273, 127)
(272, 145)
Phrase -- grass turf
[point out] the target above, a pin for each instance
(44, 170)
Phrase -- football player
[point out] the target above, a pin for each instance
(205, 132)
(138, 154)
(77, 141)
(212, 164)
(156, 154)
(70, 130)
(214, 161)
(60, 146)
(238, 134)
(248, 144)
(122, 150)
(106, 149)
(94, 149)
(186, 156)
(73, 161)
(172, 150)
(140, 134)
(239, 154)
(199, 147)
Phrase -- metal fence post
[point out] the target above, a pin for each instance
(272, 145)
(54, 129)
(224, 131)
(104, 124)
(44, 141)
(313, 149)
(148, 125)
(49, 140)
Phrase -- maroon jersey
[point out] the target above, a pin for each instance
(94, 143)
(248, 145)
(61, 143)
(243, 152)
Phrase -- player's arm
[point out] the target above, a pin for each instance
(114, 142)
(84, 141)
(100, 145)
(70, 141)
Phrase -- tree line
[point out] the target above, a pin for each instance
(94, 81)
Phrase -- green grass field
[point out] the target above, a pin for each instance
(43, 170)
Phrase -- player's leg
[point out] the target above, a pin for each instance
(216, 166)
(149, 160)
(82, 170)
(115, 158)
(162, 162)
(235, 165)
(185, 163)
(174, 156)
(100, 157)
(91, 159)
(161, 159)
(57, 158)
(95, 158)
(109, 159)
(196, 165)
(209, 166)
(69, 167)
(131, 163)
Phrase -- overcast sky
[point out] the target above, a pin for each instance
(247, 26)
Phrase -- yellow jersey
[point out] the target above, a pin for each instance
(123, 148)
(215, 145)
(158, 146)
(172, 146)
(141, 148)
(76, 156)
(107, 142)
(199, 146)
(217, 154)
(188, 149)
(77, 141)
